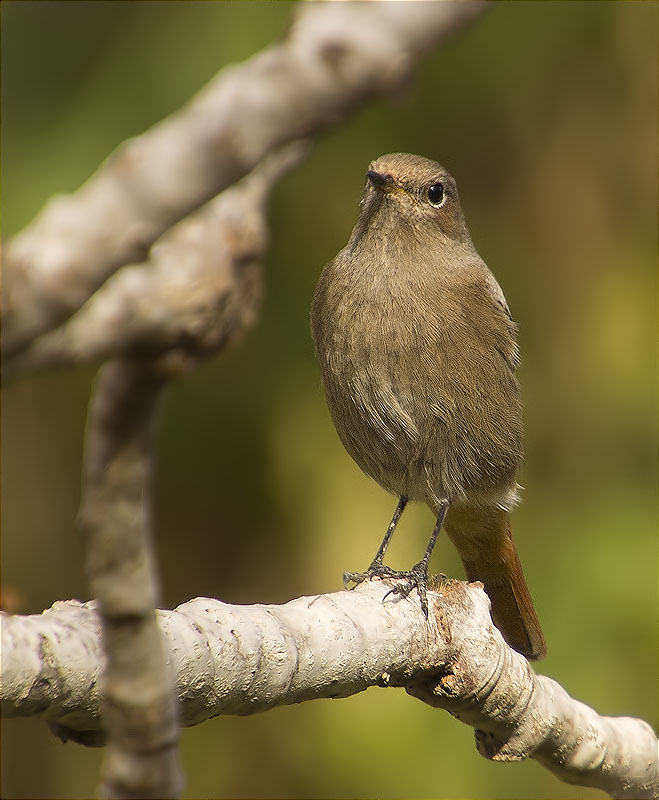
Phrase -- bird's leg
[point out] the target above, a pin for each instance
(377, 561)
(417, 577)
(377, 568)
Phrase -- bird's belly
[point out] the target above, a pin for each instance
(412, 430)
(381, 415)
(378, 432)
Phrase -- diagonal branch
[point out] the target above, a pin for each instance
(198, 290)
(333, 59)
(245, 659)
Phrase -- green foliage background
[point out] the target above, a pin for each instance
(546, 113)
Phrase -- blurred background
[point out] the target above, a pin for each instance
(546, 114)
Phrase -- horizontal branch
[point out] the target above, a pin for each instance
(334, 57)
(244, 659)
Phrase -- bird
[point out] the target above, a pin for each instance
(418, 352)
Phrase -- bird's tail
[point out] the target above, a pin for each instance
(485, 543)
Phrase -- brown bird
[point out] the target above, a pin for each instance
(418, 352)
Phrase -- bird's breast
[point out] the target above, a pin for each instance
(416, 383)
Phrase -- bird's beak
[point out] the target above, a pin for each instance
(378, 179)
(384, 182)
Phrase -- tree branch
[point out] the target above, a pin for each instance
(138, 703)
(245, 659)
(196, 293)
(333, 59)
(199, 289)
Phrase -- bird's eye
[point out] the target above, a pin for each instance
(436, 194)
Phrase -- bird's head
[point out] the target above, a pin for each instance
(415, 190)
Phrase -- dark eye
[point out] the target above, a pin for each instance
(436, 194)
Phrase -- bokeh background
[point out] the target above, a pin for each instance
(546, 113)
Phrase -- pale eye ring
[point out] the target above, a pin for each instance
(436, 194)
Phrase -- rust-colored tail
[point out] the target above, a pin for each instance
(485, 543)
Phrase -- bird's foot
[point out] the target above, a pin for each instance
(376, 570)
(415, 578)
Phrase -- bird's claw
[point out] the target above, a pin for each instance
(415, 578)
(376, 570)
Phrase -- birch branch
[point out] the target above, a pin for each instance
(334, 58)
(246, 659)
